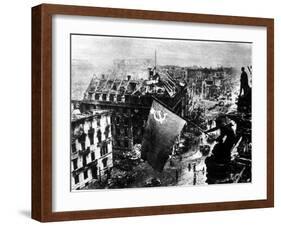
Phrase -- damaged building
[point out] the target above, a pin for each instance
(91, 146)
(130, 100)
(209, 83)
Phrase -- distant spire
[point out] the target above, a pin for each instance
(155, 58)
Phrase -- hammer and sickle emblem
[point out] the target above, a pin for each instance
(158, 115)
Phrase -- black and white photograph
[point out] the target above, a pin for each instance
(159, 112)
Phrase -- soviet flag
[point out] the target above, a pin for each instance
(162, 128)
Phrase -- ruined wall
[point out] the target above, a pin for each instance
(91, 152)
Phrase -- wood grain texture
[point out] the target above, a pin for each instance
(42, 112)
(36, 114)
(270, 112)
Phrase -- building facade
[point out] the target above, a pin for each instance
(91, 147)
(130, 102)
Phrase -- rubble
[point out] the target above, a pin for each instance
(196, 94)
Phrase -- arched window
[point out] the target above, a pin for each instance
(104, 161)
(104, 149)
(73, 146)
(91, 132)
(98, 121)
(99, 136)
(82, 139)
(106, 132)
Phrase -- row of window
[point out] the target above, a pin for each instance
(84, 160)
(86, 175)
(91, 132)
(121, 97)
(103, 151)
(93, 170)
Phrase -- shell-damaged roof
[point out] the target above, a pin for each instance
(165, 84)
(113, 85)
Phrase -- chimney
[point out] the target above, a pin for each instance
(128, 77)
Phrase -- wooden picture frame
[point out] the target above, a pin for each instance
(42, 111)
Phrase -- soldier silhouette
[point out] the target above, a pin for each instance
(218, 164)
(226, 139)
(244, 84)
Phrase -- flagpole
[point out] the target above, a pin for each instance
(155, 62)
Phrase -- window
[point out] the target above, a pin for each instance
(99, 136)
(94, 172)
(91, 132)
(84, 160)
(85, 174)
(75, 163)
(106, 132)
(104, 149)
(82, 140)
(104, 162)
(73, 146)
(76, 179)
(93, 156)
(98, 121)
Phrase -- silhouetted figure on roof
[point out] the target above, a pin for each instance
(244, 83)
(245, 100)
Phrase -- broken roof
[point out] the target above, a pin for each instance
(164, 84)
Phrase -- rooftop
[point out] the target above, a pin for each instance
(157, 82)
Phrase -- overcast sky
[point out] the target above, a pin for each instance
(100, 51)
